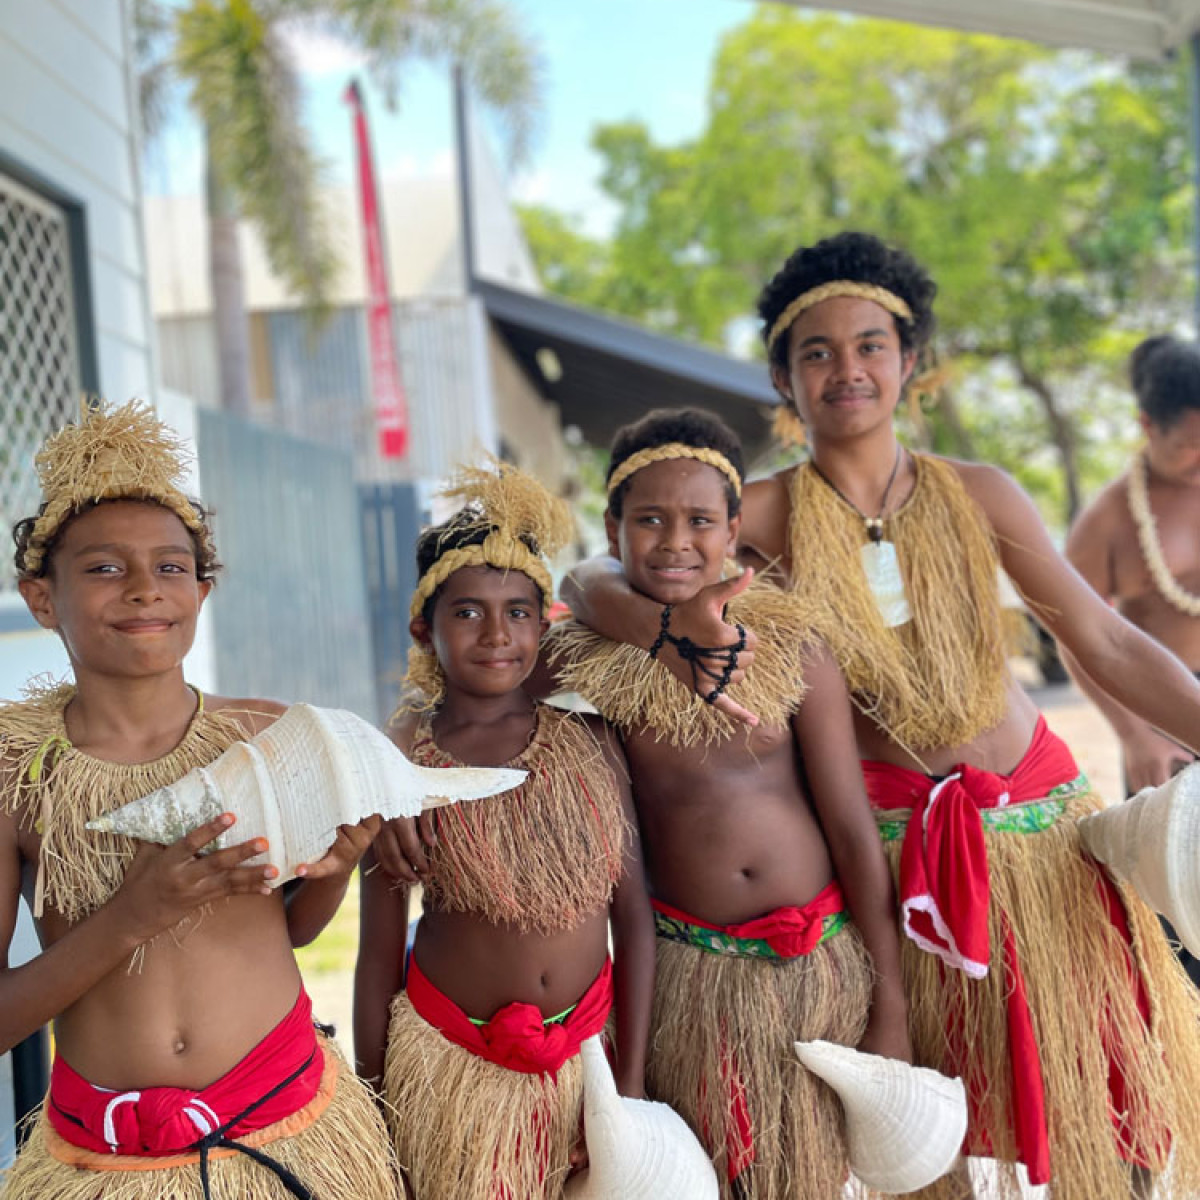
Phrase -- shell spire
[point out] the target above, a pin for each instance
(904, 1125)
(296, 782)
(508, 499)
(637, 1149)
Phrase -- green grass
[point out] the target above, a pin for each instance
(337, 947)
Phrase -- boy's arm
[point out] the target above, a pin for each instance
(1149, 758)
(633, 939)
(599, 596)
(311, 905)
(1129, 666)
(824, 730)
(379, 971)
(162, 885)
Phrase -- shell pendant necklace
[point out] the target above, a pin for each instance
(878, 557)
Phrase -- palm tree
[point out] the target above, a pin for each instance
(231, 57)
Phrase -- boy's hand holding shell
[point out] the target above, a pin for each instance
(296, 783)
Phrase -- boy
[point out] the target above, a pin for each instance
(759, 844)
(473, 1042)
(1051, 990)
(186, 1055)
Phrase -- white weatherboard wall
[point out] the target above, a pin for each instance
(68, 121)
(68, 114)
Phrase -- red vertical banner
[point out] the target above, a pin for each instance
(387, 389)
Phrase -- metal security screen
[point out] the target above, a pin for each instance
(39, 356)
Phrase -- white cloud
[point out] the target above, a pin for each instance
(316, 52)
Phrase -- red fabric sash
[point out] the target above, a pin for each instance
(945, 894)
(944, 884)
(159, 1121)
(516, 1037)
(790, 931)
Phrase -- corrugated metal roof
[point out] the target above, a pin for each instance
(1142, 28)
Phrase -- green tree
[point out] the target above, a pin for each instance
(1048, 193)
(231, 58)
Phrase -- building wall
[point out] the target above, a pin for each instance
(530, 427)
(68, 114)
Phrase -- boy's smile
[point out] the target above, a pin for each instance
(486, 627)
(846, 367)
(674, 533)
(121, 591)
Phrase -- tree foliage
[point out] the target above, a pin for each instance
(231, 59)
(1048, 193)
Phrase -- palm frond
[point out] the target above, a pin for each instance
(246, 94)
(501, 62)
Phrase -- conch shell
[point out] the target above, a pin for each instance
(294, 784)
(637, 1149)
(1153, 842)
(904, 1125)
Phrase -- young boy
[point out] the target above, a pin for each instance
(479, 1061)
(773, 904)
(1027, 971)
(187, 1062)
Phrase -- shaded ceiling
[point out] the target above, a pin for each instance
(604, 373)
(1142, 28)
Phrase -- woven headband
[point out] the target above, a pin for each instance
(653, 454)
(500, 550)
(838, 287)
(122, 453)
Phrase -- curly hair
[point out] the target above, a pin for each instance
(463, 529)
(860, 257)
(1165, 374)
(661, 426)
(207, 563)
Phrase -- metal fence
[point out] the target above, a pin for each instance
(39, 358)
(290, 617)
(392, 516)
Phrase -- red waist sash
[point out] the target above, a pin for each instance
(945, 893)
(159, 1121)
(790, 931)
(516, 1037)
(944, 882)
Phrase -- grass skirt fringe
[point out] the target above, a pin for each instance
(1079, 974)
(712, 1011)
(467, 1129)
(344, 1154)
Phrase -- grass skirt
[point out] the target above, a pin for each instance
(336, 1145)
(1079, 973)
(467, 1129)
(713, 1012)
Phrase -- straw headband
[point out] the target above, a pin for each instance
(123, 453)
(838, 287)
(500, 550)
(653, 454)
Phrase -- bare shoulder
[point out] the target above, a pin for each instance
(765, 511)
(1002, 499)
(254, 715)
(1108, 514)
(402, 729)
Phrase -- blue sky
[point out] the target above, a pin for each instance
(605, 60)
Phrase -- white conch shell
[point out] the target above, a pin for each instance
(1153, 842)
(294, 784)
(637, 1149)
(904, 1125)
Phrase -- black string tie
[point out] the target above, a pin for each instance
(220, 1137)
(713, 662)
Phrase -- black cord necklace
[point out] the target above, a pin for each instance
(874, 524)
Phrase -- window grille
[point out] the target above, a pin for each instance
(39, 353)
